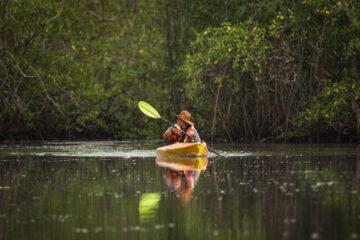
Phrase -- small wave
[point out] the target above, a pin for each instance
(127, 154)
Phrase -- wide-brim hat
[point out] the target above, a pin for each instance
(185, 116)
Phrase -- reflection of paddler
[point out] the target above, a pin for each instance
(183, 182)
(183, 174)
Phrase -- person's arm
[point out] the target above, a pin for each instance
(168, 133)
(195, 136)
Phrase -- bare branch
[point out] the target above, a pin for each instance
(50, 99)
(56, 16)
(19, 68)
(102, 19)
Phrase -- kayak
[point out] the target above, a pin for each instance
(183, 164)
(183, 149)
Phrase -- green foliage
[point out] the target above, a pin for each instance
(241, 46)
(332, 106)
(244, 70)
(231, 57)
(72, 67)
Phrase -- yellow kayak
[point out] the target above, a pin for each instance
(183, 149)
(183, 164)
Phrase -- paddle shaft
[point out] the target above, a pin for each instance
(189, 135)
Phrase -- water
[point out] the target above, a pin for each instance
(120, 190)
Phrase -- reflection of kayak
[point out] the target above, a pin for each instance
(182, 164)
(189, 149)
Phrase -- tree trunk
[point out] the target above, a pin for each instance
(168, 35)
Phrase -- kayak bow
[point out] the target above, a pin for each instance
(183, 149)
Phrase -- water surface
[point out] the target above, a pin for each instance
(120, 190)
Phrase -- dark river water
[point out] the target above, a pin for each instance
(121, 190)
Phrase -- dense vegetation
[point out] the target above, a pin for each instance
(248, 70)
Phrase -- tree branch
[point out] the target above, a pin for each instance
(102, 19)
(56, 16)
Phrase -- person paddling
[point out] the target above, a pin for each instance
(183, 125)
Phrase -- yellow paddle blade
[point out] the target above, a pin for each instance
(148, 110)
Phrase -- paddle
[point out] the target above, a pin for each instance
(148, 110)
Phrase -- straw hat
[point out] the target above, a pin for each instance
(185, 116)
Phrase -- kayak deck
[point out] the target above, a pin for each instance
(183, 149)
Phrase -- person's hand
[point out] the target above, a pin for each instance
(204, 143)
(177, 126)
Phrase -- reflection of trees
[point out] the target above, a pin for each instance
(356, 178)
(286, 196)
(72, 196)
(235, 198)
